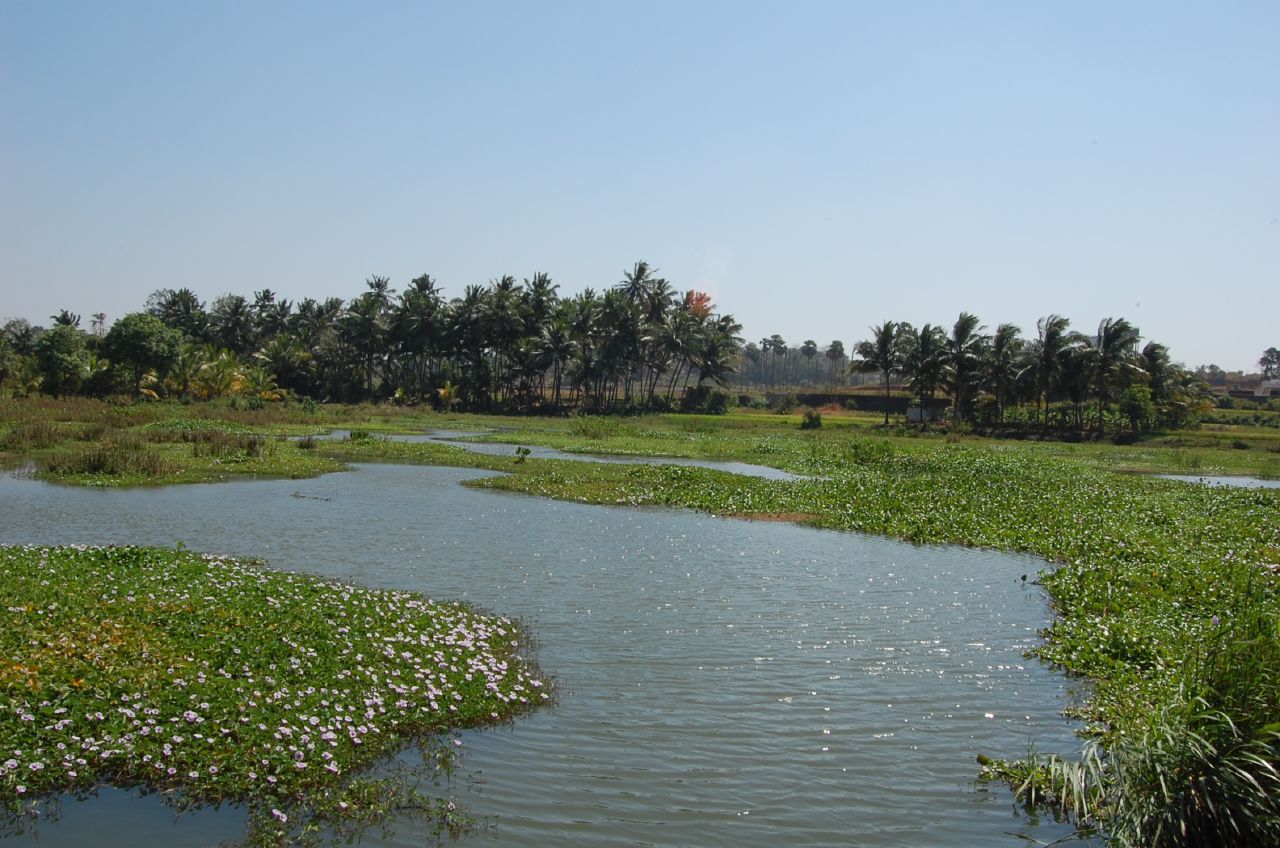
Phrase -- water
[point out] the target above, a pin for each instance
(721, 682)
(1245, 482)
(458, 439)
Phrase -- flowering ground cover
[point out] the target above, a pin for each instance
(212, 680)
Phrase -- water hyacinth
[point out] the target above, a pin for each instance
(212, 679)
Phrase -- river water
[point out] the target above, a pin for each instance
(721, 682)
(1243, 482)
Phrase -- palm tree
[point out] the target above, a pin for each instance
(270, 316)
(1002, 365)
(778, 347)
(637, 283)
(259, 382)
(1112, 352)
(1159, 368)
(557, 348)
(881, 353)
(65, 319)
(809, 350)
(231, 324)
(287, 359)
(184, 372)
(835, 353)
(1074, 376)
(220, 374)
(964, 352)
(181, 310)
(1045, 362)
(924, 363)
(715, 359)
(364, 327)
(417, 330)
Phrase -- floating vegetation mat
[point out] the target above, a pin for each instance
(212, 679)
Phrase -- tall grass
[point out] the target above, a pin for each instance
(109, 459)
(1203, 767)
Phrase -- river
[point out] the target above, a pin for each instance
(721, 682)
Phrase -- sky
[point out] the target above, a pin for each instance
(817, 167)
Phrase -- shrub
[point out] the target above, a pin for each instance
(812, 420)
(784, 404)
(706, 400)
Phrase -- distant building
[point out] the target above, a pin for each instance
(1267, 389)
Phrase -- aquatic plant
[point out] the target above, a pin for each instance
(211, 679)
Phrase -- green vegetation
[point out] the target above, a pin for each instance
(505, 346)
(1166, 593)
(215, 680)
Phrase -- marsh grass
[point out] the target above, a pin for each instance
(1201, 766)
(213, 680)
(29, 435)
(125, 457)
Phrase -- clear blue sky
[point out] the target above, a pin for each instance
(818, 167)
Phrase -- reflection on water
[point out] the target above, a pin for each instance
(721, 682)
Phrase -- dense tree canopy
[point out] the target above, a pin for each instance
(508, 345)
(638, 344)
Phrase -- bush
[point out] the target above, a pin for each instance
(784, 404)
(861, 451)
(709, 401)
(812, 420)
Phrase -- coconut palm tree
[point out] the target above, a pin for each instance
(924, 363)
(1113, 358)
(1045, 359)
(1159, 368)
(258, 382)
(416, 332)
(231, 324)
(364, 327)
(287, 359)
(182, 310)
(221, 374)
(1001, 369)
(557, 348)
(881, 353)
(184, 372)
(964, 352)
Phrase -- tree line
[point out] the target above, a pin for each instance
(637, 345)
(1058, 373)
(506, 346)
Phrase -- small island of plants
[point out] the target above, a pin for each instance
(214, 680)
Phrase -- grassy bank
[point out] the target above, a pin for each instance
(214, 680)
